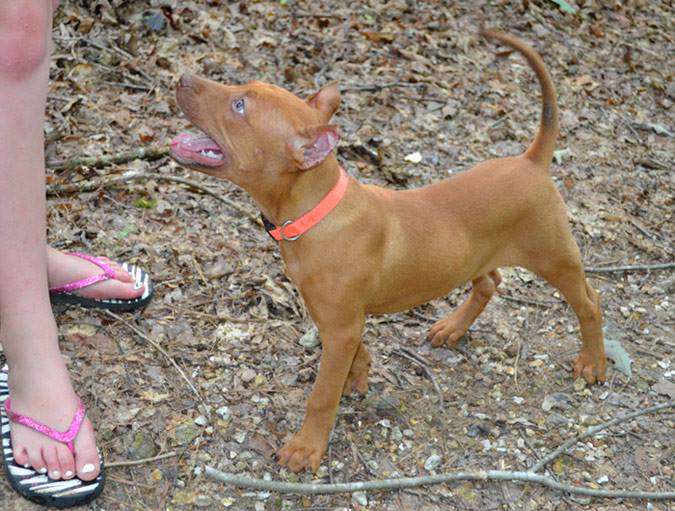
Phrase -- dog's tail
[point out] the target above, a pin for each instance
(541, 150)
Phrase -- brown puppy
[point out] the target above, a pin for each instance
(380, 250)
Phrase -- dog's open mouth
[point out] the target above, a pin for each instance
(191, 149)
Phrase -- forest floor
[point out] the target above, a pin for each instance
(413, 80)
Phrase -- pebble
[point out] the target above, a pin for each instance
(415, 157)
(224, 412)
(360, 498)
(202, 501)
(310, 339)
(432, 462)
(558, 400)
(201, 421)
(247, 375)
(555, 419)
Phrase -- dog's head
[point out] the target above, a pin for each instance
(254, 133)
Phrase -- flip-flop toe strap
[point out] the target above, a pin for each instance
(108, 273)
(65, 437)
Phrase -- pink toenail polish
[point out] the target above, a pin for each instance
(87, 468)
(69, 473)
(55, 474)
(42, 470)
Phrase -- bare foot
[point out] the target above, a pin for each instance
(63, 268)
(40, 388)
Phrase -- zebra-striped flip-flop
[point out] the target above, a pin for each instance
(39, 487)
(66, 294)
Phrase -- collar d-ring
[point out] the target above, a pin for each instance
(282, 232)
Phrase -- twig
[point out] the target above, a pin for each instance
(380, 86)
(413, 482)
(516, 299)
(140, 462)
(89, 186)
(159, 348)
(634, 267)
(593, 430)
(145, 153)
(413, 357)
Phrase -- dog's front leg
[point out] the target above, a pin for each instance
(340, 339)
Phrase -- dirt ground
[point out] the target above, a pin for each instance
(415, 78)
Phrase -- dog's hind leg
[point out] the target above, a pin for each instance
(357, 379)
(569, 278)
(450, 329)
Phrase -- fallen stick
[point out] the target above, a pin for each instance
(413, 482)
(145, 153)
(490, 475)
(593, 430)
(130, 463)
(631, 267)
(159, 348)
(416, 359)
(90, 186)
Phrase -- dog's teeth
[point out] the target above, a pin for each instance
(209, 153)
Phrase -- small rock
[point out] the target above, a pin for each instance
(415, 157)
(310, 339)
(218, 269)
(432, 462)
(201, 421)
(247, 375)
(558, 400)
(224, 412)
(142, 447)
(579, 384)
(154, 20)
(360, 498)
(665, 387)
(602, 479)
(240, 436)
(555, 419)
(202, 501)
(186, 433)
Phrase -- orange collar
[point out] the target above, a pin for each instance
(291, 230)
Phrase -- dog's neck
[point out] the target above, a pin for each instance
(298, 191)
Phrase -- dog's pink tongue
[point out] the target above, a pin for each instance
(197, 148)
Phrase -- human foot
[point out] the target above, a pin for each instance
(63, 269)
(42, 391)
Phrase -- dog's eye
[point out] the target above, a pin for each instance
(239, 106)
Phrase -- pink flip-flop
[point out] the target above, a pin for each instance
(66, 294)
(38, 487)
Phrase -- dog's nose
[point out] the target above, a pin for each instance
(186, 80)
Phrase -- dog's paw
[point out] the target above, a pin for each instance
(591, 367)
(448, 331)
(357, 381)
(300, 453)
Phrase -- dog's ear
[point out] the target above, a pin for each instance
(326, 100)
(313, 145)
